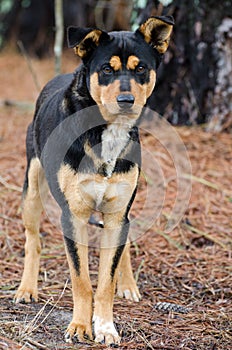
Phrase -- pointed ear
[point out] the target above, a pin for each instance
(157, 31)
(84, 40)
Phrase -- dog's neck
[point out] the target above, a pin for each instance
(115, 139)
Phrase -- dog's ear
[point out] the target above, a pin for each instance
(157, 31)
(84, 40)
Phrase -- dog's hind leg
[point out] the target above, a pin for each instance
(126, 284)
(35, 187)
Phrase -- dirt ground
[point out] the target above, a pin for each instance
(184, 277)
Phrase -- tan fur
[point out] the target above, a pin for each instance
(162, 31)
(104, 94)
(105, 97)
(102, 190)
(82, 191)
(116, 63)
(80, 49)
(81, 286)
(32, 209)
(142, 92)
(150, 86)
(132, 62)
(126, 284)
(103, 300)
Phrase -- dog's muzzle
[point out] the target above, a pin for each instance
(125, 101)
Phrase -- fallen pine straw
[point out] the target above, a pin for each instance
(189, 266)
(169, 239)
(9, 186)
(206, 183)
(207, 235)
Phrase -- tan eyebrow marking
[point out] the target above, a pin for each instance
(115, 62)
(132, 62)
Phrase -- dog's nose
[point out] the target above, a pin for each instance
(125, 101)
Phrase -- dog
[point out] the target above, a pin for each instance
(83, 144)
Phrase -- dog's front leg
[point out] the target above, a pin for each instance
(76, 242)
(112, 245)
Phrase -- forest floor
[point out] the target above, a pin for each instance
(184, 276)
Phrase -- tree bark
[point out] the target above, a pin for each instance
(59, 37)
(194, 81)
(187, 83)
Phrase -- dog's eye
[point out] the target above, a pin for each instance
(140, 70)
(107, 70)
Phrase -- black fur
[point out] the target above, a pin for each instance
(76, 134)
(70, 95)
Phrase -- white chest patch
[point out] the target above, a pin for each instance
(114, 140)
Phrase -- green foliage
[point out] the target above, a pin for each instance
(26, 3)
(137, 6)
(166, 2)
(5, 6)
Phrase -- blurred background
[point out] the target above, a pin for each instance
(195, 80)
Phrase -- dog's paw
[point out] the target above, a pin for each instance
(128, 291)
(26, 295)
(105, 332)
(79, 331)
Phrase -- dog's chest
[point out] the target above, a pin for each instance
(114, 141)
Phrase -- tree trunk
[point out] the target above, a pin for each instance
(194, 82)
(221, 103)
(59, 37)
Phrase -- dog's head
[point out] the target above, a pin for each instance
(122, 65)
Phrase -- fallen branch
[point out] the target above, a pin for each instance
(206, 235)
(29, 64)
(35, 343)
(17, 104)
(8, 186)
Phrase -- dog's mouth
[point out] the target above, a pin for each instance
(113, 111)
(126, 110)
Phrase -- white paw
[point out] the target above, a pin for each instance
(105, 332)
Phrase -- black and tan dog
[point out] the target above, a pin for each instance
(84, 145)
